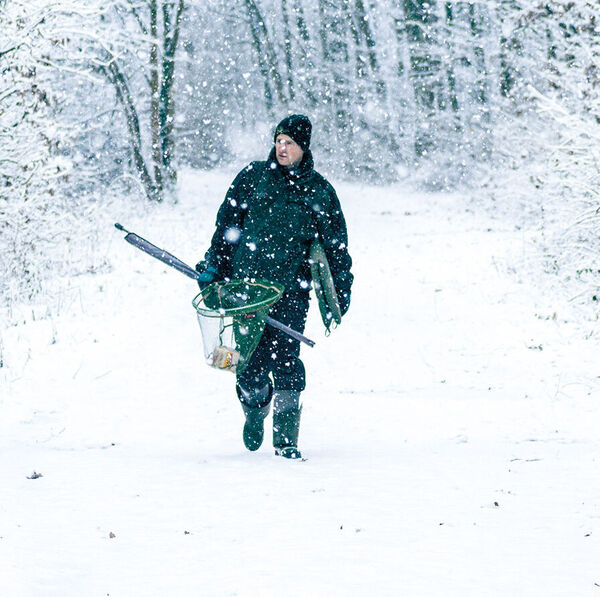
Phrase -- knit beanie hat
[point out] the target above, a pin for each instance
(296, 126)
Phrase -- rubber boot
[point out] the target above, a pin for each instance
(286, 423)
(255, 405)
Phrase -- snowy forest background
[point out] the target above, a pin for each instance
(103, 104)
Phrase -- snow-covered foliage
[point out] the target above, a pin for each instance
(72, 100)
(547, 157)
(571, 106)
(36, 165)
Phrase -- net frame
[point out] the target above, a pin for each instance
(224, 298)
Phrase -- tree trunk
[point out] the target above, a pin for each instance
(115, 75)
(424, 66)
(155, 100)
(267, 57)
(450, 75)
(171, 25)
(287, 46)
(334, 46)
(305, 61)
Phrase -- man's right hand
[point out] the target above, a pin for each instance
(206, 276)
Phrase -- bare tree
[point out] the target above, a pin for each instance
(268, 61)
(158, 25)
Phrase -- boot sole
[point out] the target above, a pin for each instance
(289, 452)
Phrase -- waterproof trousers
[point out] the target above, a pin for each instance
(278, 355)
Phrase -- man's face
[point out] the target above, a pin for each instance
(288, 152)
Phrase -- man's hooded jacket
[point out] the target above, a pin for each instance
(267, 222)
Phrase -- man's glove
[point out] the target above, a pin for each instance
(207, 275)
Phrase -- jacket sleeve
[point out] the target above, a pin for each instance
(229, 225)
(331, 227)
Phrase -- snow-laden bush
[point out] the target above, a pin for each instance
(546, 149)
(32, 171)
(572, 184)
(53, 179)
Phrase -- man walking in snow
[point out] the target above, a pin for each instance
(272, 213)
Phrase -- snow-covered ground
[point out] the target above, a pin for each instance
(450, 427)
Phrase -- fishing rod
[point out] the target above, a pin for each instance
(144, 245)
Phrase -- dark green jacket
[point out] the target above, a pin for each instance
(268, 220)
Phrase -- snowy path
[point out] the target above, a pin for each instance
(451, 430)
